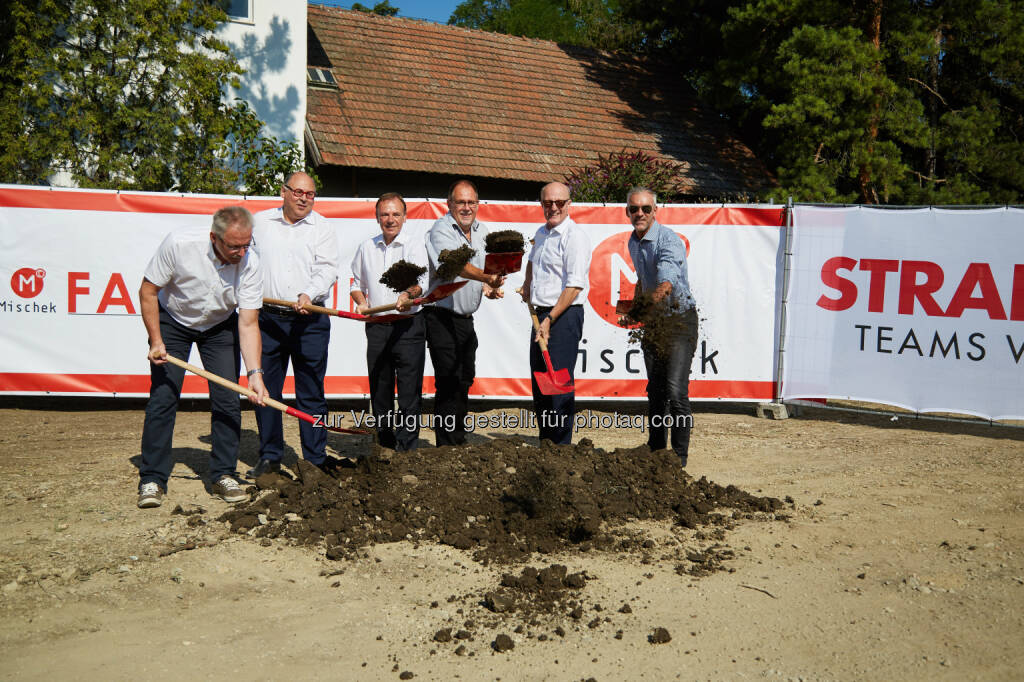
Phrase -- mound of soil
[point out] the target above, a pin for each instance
(452, 261)
(504, 241)
(504, 499)
(401, 275)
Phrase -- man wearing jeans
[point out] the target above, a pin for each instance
(298, 252)
(557, 282)
(190, 292)
(659, 258)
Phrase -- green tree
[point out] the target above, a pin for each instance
(906, 101)
(383, 8)
(127, 94)
(586, 23)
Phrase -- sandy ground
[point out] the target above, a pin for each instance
(904, 559)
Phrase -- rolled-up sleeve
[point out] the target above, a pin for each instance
(577, 259)
(324, 272)
(358, 272)
(160, 269)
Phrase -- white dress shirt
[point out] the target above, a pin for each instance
(297, 258)
(374, 257)
(561, 259)
(447, 235)
(196, 288)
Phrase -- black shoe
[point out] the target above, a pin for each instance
(683, 461)
(264, 466)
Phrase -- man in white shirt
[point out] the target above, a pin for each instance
(298, 251)
(451, 335)
(557, 281)
(394, 350)
(190, 292)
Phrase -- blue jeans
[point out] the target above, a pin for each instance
(219, 350)
(555, 413)
(668, 390)
(303, 339)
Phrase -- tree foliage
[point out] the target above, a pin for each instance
(128, 94)
(587, 23)
(613, 175)
(902, 101)
(383, 8)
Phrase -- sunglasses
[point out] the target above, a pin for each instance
(298, 193)
(560, 203)
(633, 210)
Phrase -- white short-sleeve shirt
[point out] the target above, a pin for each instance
(196, 288)
(374, 257)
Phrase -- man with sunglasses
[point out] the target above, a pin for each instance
(298, 250)
(190, 292)
(659, 258)
(557, 280)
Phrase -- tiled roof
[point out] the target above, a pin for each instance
(427, 97)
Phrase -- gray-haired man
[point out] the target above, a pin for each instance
(190, 292)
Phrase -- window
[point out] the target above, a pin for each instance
(239, 10)
(320, 77)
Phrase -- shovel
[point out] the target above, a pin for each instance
(503, 263)
(237, 388)
(552, 382)
(439, 292)
(331, 311)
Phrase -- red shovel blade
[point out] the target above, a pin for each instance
(553, 381)
(312, 420)
(623, 306)
(351, 316)
(503, 263)
(440, 291)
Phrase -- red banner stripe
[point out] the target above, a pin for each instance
(339, 386)
(143, 202)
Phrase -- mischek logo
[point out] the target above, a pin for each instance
(612, 278)
(28, 282)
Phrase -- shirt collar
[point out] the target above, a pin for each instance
(650, 235)
(309, 219)
(399, 239)
(214, 258)
(560, 227)
(472, 228)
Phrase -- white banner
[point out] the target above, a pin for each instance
(922, 308)
(72, 260)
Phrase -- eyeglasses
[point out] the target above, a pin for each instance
(469, 204)
(231, 248)
(560, 203)
(298, 193)
(646, 208)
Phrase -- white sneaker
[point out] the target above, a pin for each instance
(228, 490)
(150, 495)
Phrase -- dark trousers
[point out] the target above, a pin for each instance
(219, 350)
(303, 339)
(555, 413)
(453, 343)
(395, 352)
(668, 390)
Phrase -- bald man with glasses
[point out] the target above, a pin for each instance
(659, 258)
(557, 281)
(298, 250)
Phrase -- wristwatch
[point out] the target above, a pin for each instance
(258, 370)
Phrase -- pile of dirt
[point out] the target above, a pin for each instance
(401, 275)
(504, 500)
(452, 261)
(504, 241)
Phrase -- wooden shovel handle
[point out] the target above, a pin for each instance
(306, 306)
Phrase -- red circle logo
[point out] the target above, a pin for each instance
(28, 282)
(612, 278)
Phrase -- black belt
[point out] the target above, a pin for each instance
(448, 311)
(549, 308)
(282, 310)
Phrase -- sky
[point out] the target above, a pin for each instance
(431, 10)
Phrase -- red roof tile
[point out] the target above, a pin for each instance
(421, 96)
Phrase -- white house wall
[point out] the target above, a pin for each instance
(272, 49)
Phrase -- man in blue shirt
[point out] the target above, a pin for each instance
(659, 258)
